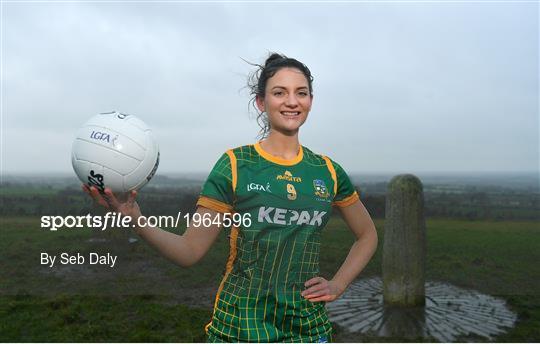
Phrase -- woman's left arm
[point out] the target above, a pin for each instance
(357, 218)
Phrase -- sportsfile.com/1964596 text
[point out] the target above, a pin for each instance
(117, 220)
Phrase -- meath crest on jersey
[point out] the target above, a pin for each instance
(320, 188)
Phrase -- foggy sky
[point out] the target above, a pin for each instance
(410, 87)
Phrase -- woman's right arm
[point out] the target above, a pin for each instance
(187, 249)
(184, 250)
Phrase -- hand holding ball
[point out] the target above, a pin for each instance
(116, 151)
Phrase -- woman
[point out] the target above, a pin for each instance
(271, 290)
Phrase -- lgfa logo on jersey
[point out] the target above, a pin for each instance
(288, 177)
(258, 187)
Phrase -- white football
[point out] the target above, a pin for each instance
(115, 150)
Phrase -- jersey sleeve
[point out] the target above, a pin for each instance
(346, 193)
(217, 191)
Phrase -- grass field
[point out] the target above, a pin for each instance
(146, 298)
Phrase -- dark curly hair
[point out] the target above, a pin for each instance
(257, 83)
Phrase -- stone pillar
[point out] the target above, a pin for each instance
(403, 322)
(404, 248)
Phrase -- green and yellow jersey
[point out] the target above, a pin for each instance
(289, 202)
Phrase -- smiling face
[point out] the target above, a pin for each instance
(287, 100)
